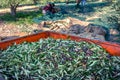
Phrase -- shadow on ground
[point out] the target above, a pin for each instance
(88, 9)
(20, 15)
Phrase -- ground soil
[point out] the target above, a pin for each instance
(9, 30)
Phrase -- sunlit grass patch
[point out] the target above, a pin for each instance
(21, 17)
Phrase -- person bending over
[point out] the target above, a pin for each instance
(49, 9)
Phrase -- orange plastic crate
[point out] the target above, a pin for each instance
(111, 48)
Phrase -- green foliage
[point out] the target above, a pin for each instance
(112, 16)
(116, 15)
(116, 5)
(8, 3)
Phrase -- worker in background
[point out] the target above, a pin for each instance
(49, 9)
(83, 2)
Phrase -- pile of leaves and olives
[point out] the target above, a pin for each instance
(50, 59)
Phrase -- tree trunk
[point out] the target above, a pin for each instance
(67, 1)
(13, 10)
(78, 2)
(35, 1)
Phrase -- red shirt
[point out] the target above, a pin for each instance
(48, 8)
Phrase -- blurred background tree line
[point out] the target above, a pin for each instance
(13, 4)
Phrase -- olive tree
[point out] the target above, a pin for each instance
(67, 1)
(77, 1)
(35, 1)
(12, 4)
